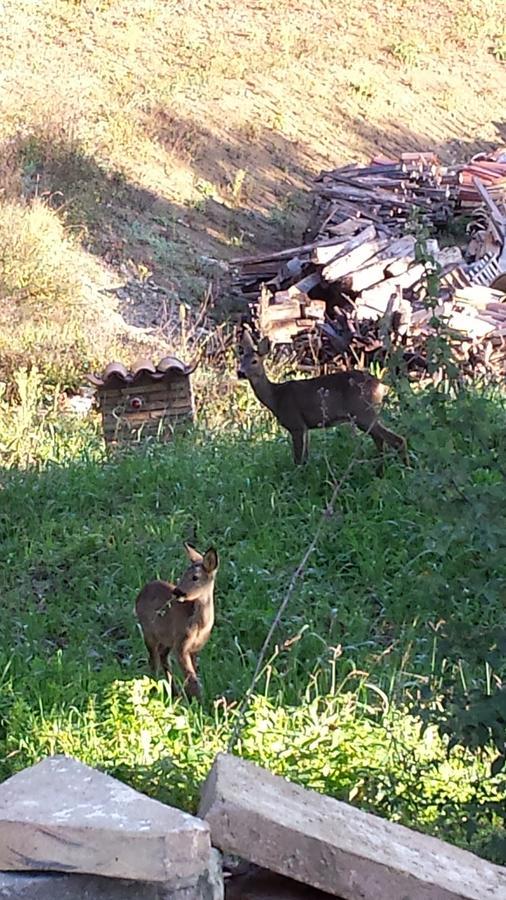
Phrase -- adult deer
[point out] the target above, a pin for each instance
(318, 402)
(179, 618)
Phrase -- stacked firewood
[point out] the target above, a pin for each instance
(363, 280)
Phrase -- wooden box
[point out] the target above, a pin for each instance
(147, 402)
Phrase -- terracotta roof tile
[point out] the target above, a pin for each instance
(116, 375)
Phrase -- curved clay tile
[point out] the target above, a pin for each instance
(95, 380)
(171, 362)
(143, 365)
(114, 373)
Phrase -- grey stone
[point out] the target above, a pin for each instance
(61, 815)
(334, 846)
(57, 886)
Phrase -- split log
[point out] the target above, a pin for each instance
(305, 284)
(324, 255)
(343, 265)
(377, 297)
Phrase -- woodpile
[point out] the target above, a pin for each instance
(365, 280)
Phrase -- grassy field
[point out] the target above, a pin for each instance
(142, 144)
(407, 568)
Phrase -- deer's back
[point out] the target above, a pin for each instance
(328, 399)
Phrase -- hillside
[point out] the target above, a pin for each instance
(166, 135)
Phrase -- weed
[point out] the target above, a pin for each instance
(499, 49)
(238, 186)
(406, 52)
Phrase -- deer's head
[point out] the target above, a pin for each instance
(251, 357)
(198, 580)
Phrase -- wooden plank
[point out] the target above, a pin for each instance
(352, 260)
(377, 297)
(498, 219)
(147, 407)
(283, 254)
(147, 429)
(332, 845)
(323, 255)
(305, 285)
(167, 386)
(314, 309)
(154, 402)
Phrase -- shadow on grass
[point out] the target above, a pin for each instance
(251, 190)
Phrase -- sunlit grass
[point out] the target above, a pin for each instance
(397, 556)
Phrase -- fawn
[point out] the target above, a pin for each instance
(179, 618)
(318, 402)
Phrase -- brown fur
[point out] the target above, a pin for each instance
(318, 402)
(179, 618)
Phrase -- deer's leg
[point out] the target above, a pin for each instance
(380, 446)
(164, 656)
(305, 450)
(191, 681)
(300, 442)
(155, 662)
(382, 435)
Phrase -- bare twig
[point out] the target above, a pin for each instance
(299, 571)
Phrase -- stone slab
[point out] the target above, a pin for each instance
(56, 886)
(61, 815)
(334, 846)
(264, 885)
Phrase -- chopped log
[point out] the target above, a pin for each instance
(281, 332)
(283, 254)
(348, 227)
(314, 309)
(375, 272)
(343, 265)
(305, 285)
(398, 266)
(377, 297)
(323, 255)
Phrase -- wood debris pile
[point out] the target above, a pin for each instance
(363, 280)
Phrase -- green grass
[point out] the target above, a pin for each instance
(397, 557)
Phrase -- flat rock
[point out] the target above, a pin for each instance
(334, 846)
(61, 815)
(43, 885)
(263, 885)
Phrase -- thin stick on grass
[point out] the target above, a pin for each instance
(299, 571)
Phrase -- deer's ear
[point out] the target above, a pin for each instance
(264, 346)
(210, 561)
(193, 554)
(246, 340)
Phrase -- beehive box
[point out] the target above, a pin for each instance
(146, 402)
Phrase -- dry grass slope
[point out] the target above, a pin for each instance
(165, 133)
